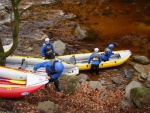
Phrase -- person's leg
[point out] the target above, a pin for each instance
(56, 83)
(104, 58)
(97, 69)
(50, 80)
(91, 70)
(47, 56)
(46, 85)
(51, 56)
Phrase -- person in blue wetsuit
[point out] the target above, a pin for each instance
(95, 60)
(54, 69)
(47, 49)
(107, 53)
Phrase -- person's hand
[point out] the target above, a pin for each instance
(48, 77)
(43, 58)
(33, 71)
(117, 55)
(87, 65)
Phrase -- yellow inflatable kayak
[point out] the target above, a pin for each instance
(81, 60)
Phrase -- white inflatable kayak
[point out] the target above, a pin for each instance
(17, 74)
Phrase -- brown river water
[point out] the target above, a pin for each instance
(126, 24)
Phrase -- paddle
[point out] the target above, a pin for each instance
(14, 81)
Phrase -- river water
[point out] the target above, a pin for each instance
(126, 24)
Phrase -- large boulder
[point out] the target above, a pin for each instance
(69, 83)
(95, 85)
(46, 106)
(59, 47)
(140, 96)
(130, 86)
(142, 68)
(83, 77)
(85, 32)
(140, 59)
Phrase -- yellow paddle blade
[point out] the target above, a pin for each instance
(14, 81)
(17, 81)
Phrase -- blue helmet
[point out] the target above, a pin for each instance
(111, 46)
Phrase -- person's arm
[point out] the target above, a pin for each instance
(48, 71)
(100, 59)
(48, 68)
(53, 50)
(39, 65)
(89, 60)
(43, 50)
(110, 53)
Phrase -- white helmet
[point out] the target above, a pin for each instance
(96, 50)
(47, 39)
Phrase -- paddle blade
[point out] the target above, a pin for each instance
(14, 81)
(18, 81)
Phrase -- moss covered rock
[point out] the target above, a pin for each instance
(140, 96)
(69, 83)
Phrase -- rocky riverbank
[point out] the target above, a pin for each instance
(111, 92)
(107, 92)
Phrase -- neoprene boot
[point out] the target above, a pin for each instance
(46, 85)
(58, 89)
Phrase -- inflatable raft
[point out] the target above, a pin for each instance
(17, 62)
(17, 83)
(27, 63)
(17, 91)
(81, 60)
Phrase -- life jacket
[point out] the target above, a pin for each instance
(48, 49)
(53, 70)
(106, 51)
(95, 56)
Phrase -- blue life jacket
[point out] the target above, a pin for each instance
(53, 70)
(48, 49)
(106, 55)
(95, 58)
